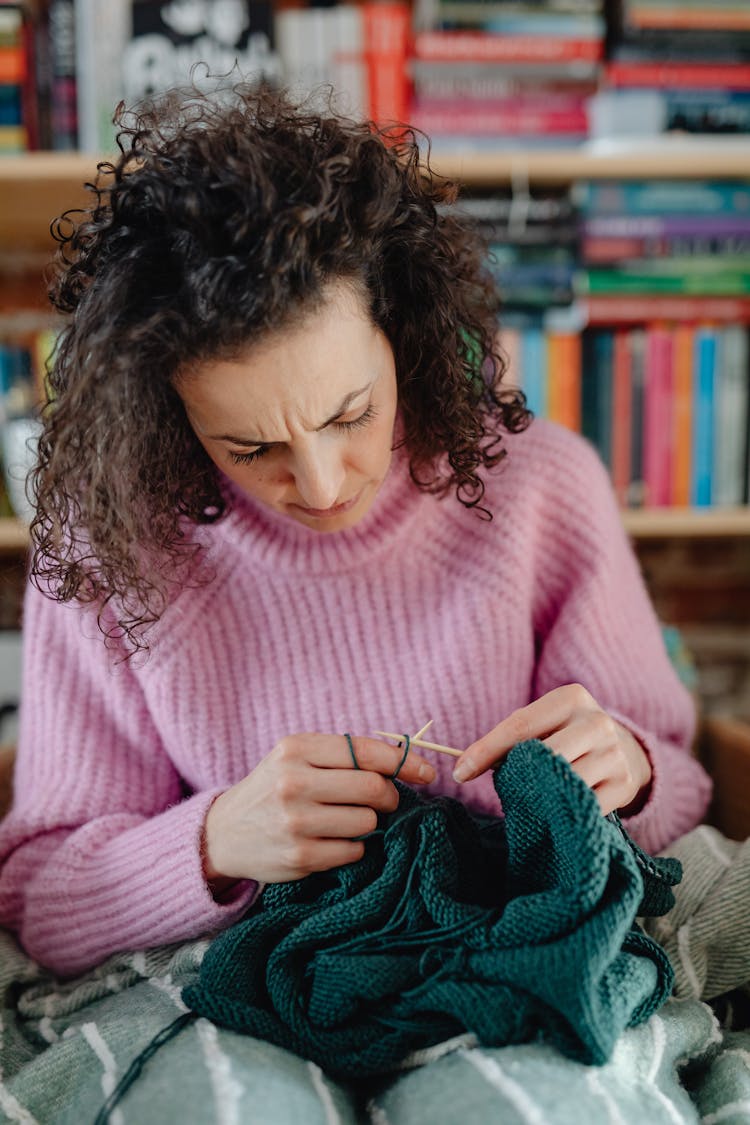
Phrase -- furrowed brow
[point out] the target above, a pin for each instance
(345, 404)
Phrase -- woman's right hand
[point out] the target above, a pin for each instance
(301, 807)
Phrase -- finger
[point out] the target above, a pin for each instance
(351, 787)
(336, 821)
(536, 720)
(326, 854)
(371, 754)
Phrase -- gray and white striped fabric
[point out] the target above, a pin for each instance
(64, 1045)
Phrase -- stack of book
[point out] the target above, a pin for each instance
(510, 73)
(532, 242)
(678, 66)
(358, 50)
(658, 380)
(13, 136)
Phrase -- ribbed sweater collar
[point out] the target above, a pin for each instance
(281, 544)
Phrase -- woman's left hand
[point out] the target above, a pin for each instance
(569, 720)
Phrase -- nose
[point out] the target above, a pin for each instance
(319, 477)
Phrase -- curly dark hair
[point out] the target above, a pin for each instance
(223, 219)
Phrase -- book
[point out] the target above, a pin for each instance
(173, 45)
(564, 379)
(643, 310)
(731, 416)
(478, 46)
(493, 119)
(101, 34)
(657, 417)
(704, 365)
(708, 17)
(320, 48)
(659, 226)
(387, 28)
(622, 405)
(597, 390)
(662, 197)
(63, 101)
(637, 487)
(682, 414)
(617, 250)
(534, 369)
(711, 282)
(679, 75)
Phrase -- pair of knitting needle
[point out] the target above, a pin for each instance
(417, 740)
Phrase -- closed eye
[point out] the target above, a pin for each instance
(364, 419)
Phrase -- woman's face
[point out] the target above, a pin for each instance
(303, 420)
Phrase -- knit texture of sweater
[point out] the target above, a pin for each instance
(420, 611)
(514, 929)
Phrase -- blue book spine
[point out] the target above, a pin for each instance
(534, 369)
(663, 197)
(704, 404)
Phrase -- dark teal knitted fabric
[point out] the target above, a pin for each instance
(514, 929)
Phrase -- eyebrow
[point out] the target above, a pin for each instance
(343, 407)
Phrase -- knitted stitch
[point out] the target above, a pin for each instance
(420, 611)
(512, 929)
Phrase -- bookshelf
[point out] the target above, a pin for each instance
(35, 187)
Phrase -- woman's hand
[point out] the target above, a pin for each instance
(570, 721)
(301, 807)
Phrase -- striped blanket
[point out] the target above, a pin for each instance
(65, 1045)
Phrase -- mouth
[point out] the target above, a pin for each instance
(336, 510)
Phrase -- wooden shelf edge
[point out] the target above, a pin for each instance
(14, 536)
(670, 159)
(665, 523)
(659, 156)
(640, 523)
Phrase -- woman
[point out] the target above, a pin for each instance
(283, 494)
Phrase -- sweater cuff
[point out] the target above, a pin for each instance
(679, 795)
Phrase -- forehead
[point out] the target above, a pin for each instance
(301, 372)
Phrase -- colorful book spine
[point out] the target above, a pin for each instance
(704, 369)
(681, 75)
(491, 120)
(642, 310)
(534, 368)
(663, 197)
(730, 283)
(386, 31)
(682, 414)
(479, 46)
(666, 226)
(637, 489)
(597, 392)
(622, 407)
(564, 379)
(731, 417)
(657, 418)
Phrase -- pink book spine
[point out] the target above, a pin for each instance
(657, 423)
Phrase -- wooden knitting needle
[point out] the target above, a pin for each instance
(420, 742)
(424, 728)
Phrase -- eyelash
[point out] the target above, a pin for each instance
(364, 419)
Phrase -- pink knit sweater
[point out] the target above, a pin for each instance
(422, 610)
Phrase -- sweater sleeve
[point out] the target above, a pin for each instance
(596, 626)
(101, 851)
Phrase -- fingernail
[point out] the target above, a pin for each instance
(463, 772)
(426, 773)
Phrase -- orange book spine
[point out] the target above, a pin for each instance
(564, 379)
(683, 414)
(386, 32)
(622, 414)
(12, 65)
